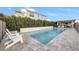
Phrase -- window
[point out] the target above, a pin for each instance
(66, 23)
(31, 14)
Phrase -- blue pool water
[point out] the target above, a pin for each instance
(45, 36)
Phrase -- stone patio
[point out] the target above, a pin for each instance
(68, 40)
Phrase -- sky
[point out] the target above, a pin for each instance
(52, 13)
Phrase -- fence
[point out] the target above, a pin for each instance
(2, 29)
(76, 26)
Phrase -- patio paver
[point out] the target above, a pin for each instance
(66, 41)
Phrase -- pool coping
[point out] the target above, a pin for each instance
(51, 41)
(56, 36)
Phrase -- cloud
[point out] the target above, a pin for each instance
(28, 8)
(32, 9)
(77, 21)
(9, 8)
(49, 19)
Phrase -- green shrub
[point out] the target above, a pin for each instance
(15, 23)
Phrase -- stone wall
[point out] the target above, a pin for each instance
(2, 29)
(76, 26)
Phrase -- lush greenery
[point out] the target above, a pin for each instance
(15, 23)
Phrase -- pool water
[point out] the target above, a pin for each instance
(45, 36)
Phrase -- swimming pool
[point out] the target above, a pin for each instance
(45, 36)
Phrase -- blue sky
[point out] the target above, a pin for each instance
(53, 13)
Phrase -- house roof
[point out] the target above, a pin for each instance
(32, 12)
(36, 13)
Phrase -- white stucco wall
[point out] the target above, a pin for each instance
(34, 29)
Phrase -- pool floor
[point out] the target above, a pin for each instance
(45, 36)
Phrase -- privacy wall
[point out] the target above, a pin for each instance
(76, 26)
(2, 29)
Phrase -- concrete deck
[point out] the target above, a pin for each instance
(66, 41)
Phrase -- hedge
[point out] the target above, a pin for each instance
(15, 23)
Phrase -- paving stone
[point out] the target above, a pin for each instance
(66, 41)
